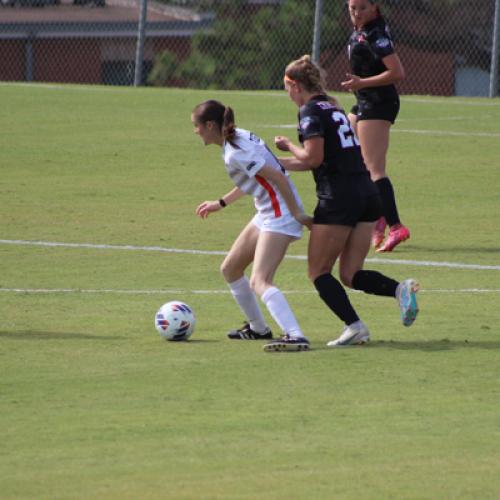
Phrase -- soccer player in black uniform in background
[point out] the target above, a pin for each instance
(375, 69)
(347, 208)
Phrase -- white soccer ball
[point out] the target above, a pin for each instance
(175, 321)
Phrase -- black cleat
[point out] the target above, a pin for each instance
(287, 343)
(246, 333)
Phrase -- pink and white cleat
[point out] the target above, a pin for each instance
(397, 234)
(378, 234)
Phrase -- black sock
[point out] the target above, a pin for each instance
(335, 297)
(374, 283)
(388, 201)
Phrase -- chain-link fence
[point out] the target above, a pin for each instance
(446, 46)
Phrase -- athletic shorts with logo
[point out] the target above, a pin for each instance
(354, 199)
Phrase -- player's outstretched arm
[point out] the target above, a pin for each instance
(292, 164)
(205, 208)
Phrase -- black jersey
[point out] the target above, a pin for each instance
(342, 153)
(367, 47)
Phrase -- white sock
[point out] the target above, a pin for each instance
(248, 303)
(281, 312)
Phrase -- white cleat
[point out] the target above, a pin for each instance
(355, 334)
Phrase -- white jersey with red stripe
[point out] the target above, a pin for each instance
(244, 158)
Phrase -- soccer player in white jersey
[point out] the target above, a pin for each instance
(264, 241)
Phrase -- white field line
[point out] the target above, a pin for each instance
(407, 131)
(48, 291)
(446, 132)
(100, 246)
(283, 125)
(434, 119)
(378, 260)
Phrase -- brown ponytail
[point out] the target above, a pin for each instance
(379, 12)
(222, 116)
(228, 127)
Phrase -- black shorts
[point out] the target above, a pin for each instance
(355, 199)
(385, 110)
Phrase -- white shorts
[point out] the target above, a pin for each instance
(286, 224)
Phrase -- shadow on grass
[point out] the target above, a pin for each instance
(435, 345)
(191, 341)
(40, 335)
(422, 345)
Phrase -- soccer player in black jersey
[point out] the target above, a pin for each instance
(375, 69)
(347, 208)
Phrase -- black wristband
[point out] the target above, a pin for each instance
(222, 203)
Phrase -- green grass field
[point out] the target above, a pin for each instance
(93, 404)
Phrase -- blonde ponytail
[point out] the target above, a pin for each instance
(309, 75)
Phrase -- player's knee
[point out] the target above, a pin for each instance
(258, 284)
(227, 270)
(345, 277)
(377, 175)
(315, 272)
(376, 167)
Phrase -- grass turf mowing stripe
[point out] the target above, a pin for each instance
(211, 292)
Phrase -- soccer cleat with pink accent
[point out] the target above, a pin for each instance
(379, 232)
(397, 234)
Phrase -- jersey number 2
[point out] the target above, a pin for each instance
(346, 134)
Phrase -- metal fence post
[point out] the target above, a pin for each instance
(495, 51)
(139, 53)
(316, 48)
(97, 46)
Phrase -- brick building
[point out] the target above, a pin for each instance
(89, 43)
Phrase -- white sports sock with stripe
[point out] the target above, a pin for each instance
(281, 312)
(248, 303)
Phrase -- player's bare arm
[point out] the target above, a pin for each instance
(205, 208)
(292, 164)
(281, 181)
(309, 156)
(394, 73)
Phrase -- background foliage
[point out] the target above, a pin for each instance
(262, 43)
(249, 46)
